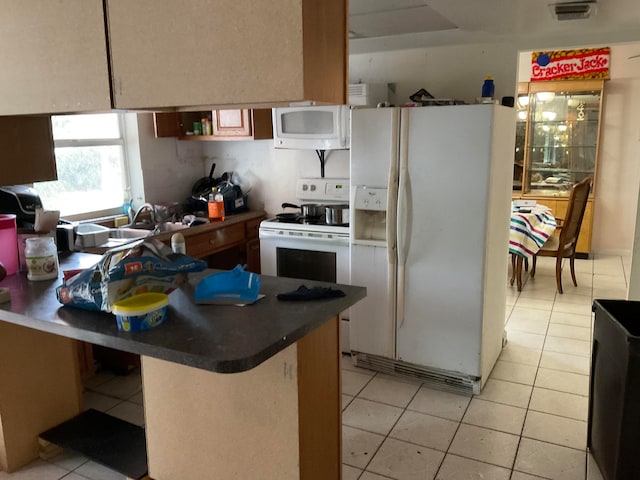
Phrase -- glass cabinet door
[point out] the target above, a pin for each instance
(562, 139)
(522, 107)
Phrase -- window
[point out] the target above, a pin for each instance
(91, 164)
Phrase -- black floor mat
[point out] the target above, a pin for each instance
(114, 443)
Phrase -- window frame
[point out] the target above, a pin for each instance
(121, 141)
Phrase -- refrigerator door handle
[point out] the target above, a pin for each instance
(392, 235)
(404, 205)
(392, 195)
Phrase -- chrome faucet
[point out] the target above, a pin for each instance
(143, 207)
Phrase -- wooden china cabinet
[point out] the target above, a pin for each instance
(557, 138)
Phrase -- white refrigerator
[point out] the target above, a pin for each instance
(431, 195)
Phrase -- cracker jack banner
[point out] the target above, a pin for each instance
(579, 64)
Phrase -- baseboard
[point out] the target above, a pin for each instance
(609, 252)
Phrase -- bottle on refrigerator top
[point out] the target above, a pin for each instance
(488, 87)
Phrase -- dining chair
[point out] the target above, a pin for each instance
(564, 245)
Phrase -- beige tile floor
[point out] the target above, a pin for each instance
(529, 422)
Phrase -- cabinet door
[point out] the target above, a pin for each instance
(227, 52)
(26, 143)
(167, 124)
(231, 123)
(253, 255)
(54, 57)
(562, 136)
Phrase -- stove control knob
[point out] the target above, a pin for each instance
(305, 187)
(313, 188)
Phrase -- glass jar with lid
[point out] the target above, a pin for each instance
(41, 257)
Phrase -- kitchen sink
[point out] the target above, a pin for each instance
(127, 232)
(145, 229)
(170, 227)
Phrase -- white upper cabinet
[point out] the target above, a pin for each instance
(53, 57)
(226, 52)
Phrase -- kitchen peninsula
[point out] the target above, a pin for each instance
(236, 392)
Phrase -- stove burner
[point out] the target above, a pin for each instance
(299, 219)
(312, 220)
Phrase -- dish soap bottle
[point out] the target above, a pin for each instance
(216, 205)
(488, 87)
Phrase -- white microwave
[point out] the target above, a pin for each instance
(318, 127)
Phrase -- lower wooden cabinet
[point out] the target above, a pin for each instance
(228, 245)
(253, 255)
(214, 241)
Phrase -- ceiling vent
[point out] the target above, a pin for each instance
(574, 10)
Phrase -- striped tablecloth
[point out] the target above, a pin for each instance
(529, 231)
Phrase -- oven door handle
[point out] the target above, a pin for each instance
(325, 238)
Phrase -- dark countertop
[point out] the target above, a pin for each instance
(219, 338)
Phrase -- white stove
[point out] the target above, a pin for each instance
(324, 191)
(310, 249)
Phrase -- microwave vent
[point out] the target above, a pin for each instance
(367, 94)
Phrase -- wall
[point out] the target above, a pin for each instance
(168, 167)
(618, 174)
(446, 72)
(271, 173)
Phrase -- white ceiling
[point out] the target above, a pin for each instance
(379, 25)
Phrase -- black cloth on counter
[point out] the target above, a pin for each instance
(303, 293)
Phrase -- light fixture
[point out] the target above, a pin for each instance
(562, 128)
(523, 100)
(549, 116)
(545, 128)
(545, 96)
(522, 114)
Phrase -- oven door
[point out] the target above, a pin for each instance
(312, 257)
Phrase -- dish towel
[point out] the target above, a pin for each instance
(302, 293)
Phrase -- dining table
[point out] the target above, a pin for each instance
(529, 229)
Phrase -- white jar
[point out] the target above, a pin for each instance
(42, 258)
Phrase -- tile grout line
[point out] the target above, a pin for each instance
(526, 415)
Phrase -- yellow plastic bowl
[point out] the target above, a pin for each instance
(141, 312)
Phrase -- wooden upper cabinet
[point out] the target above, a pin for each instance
(235, 124)
(54, 57)
(26, 146)
(227, 53)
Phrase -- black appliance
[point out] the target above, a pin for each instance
(234, 200)
(22, 201)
